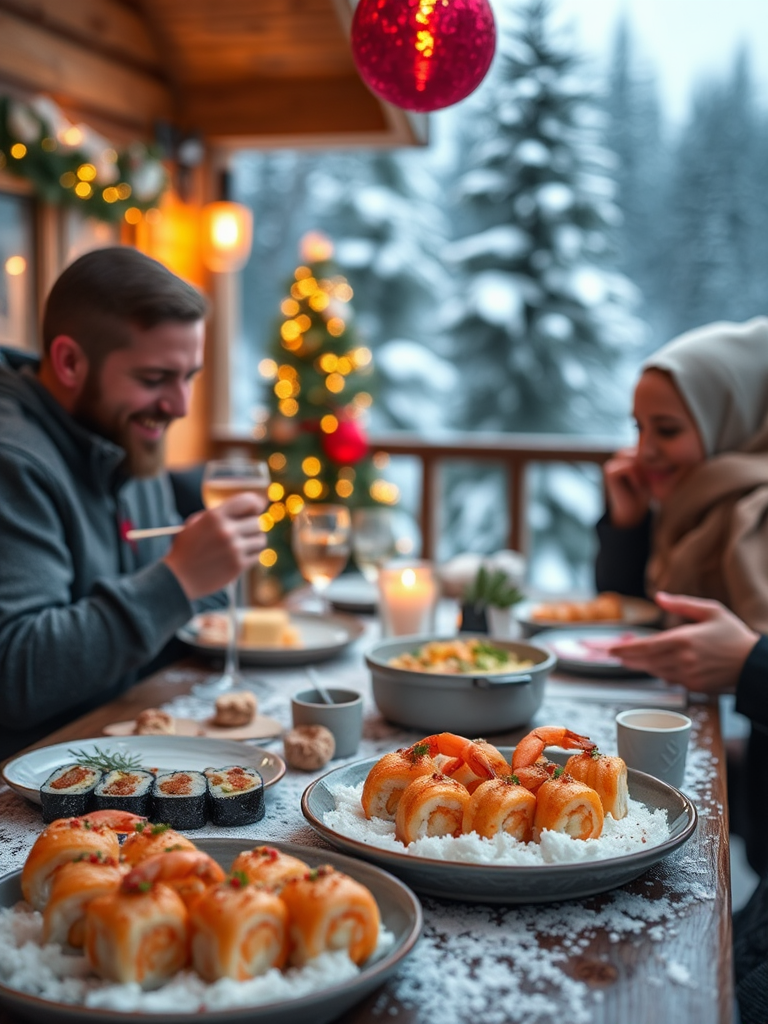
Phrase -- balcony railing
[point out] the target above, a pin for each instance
(515, 453)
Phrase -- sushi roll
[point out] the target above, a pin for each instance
(125, 791)
(179, 799)
(68, 792)
(236, 795)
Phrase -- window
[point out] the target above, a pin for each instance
(18, 313)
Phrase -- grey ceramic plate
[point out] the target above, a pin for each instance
(637, 612)
(28, 772)
(400, 913)
(322, 637)
(489, 883)
(582, 650)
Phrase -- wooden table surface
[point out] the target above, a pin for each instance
(676, 968)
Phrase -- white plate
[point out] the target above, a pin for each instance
(353, 593)
(322, 637)
(583, 650)
(400, 915)
(503, 883)
(28, 772)
(636, 612)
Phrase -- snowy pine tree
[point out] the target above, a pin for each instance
(541, 322)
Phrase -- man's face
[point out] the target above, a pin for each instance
(138, 391)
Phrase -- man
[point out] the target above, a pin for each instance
(83, 610)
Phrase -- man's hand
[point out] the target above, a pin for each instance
(627, 493)
(215, 546)
(706, 655)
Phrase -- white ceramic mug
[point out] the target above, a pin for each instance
(654, 742)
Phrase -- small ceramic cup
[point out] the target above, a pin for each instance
(654, 742)
(344, 718)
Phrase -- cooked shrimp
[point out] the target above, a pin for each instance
(531, 747)
(459, 748)
(457, 769)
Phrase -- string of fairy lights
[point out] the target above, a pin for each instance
(310, 385)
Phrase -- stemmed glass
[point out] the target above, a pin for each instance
(320, 539)
(223, 479)
(373, 540)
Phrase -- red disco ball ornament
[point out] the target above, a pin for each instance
(423, 54)
(347, 444)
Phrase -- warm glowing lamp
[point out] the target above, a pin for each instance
(226, 236)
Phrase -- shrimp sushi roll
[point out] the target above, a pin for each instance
(179, 799)
(238, 931)
(74, 886)
(235, 794)
(390, 776)
(125, 791)
(61, 842)
(267, 866)
(68, 792)
(501, 805)
(433, 805)
(147, 840)
(140, 936)
(607, 775)
(565, 805)
(328, 910)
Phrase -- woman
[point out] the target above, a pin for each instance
(688, 507)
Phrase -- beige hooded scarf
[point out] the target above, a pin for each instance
(711, 536)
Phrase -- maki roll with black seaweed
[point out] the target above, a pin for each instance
(236, 795)
(68, 791)
(179, 799)
(125, 791)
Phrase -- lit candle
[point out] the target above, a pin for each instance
(408, 597)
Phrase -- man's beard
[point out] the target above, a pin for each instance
(142, 458)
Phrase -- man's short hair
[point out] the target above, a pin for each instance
(104, 293)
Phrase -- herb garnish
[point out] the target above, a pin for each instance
(106, 760)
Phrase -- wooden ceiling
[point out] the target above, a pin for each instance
(240, 72)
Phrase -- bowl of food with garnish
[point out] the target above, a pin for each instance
(466, 683)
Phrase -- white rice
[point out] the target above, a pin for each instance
(640, 829)
(50, 973)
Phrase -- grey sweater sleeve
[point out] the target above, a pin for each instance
(58, 651)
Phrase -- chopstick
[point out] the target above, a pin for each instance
(154, 531)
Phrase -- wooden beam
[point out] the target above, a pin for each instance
(281, 107)
(107, 27)
(41, 62)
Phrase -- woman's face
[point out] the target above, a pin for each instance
(668, 442)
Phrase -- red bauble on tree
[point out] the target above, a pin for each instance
(423, 54)
(347, 444)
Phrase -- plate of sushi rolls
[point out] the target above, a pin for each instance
(167, 930)
(463, 819)
(183, 781)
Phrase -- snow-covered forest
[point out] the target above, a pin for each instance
(512, 275)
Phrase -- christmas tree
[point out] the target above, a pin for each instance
(320, 379)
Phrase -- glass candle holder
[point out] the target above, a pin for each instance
(408, 595)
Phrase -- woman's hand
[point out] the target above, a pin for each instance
(625, 488)
(706, 655)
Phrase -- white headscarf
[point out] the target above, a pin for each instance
(721, 370)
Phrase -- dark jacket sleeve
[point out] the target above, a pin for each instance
(622, 556)
(752, 687)
(56, 652)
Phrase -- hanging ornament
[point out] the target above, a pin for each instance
(347, 444)
(423, 54)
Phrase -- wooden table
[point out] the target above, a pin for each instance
(602, 960)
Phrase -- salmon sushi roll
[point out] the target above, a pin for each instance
(433, 805)
(125, 791)
(235, 795)
(73, 887)
(267, 866)
(69, 791)
(606, 775)
(180, 799)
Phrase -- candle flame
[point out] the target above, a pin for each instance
(408, 577)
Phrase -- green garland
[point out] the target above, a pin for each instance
(70, 165)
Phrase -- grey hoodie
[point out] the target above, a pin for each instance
(81, 608)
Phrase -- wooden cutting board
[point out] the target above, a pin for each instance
(262, 727)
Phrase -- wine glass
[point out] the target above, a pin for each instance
(320, 539)
(373, 540)
(223, 479)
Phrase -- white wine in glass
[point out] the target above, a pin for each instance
(224, 479)
(320, 539)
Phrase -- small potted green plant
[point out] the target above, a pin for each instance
(491, 589)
